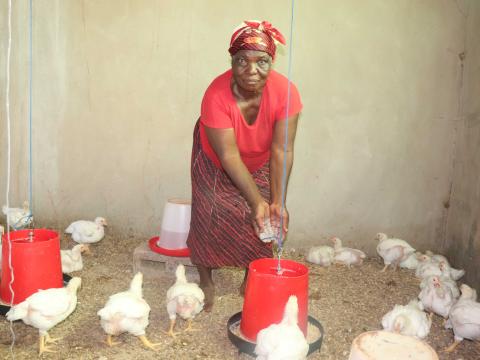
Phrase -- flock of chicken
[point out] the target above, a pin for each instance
(125, 311)
(439, 293)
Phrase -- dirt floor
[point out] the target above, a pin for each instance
(346, 301)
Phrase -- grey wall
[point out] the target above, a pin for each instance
(463, 227)
(117, 87)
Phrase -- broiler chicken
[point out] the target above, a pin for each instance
(72, 259)
(445, 281)
(455, 274)
(435, 257)
(283, 341)
(184, 299)
(464, 317)
(426, 267)
(408, 320)
(393, 251)
(127, 311)
(321, 255)
(87, 232)
(436, 297)
(410, 262)
(18, 218)
(45, 309)
(347, 256)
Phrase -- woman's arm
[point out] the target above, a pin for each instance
(225, 146)
(276, 166)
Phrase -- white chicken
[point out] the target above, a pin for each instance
(435, 257)
(408, 320)
(45, 309)
(72, 259)
(321, 255)
(427, 267)
(283, 341)
(185, 299)
(410, 262)
(127, 311)
(347, 256)
(393, 251)
(464, 317)
(87, 232)
(437, 297)
(447, 281)
(455, 274)
(18, 218)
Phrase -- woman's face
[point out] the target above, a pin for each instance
(250, 69)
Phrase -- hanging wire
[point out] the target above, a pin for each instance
(280, 239)
(29, 217)
(7, 195)
(30, 97)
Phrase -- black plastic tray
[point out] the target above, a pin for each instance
(5, 308)
(248, 347)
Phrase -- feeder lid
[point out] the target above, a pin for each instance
(153, 244)
(380, 344)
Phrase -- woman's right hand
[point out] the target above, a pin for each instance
(260, 212)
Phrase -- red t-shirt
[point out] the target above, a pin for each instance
(220, 110)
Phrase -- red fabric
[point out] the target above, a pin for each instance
(221, 231)
(256, 36)
(220, 110)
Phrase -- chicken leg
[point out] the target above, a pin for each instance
(451, 347)
(148, 344)
(110, 341)
(48, 339)
(385, 268)
(170, 329)
(42, 347)
(189, 326)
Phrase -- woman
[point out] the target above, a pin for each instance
(238, 154)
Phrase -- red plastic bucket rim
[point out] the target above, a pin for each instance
(23, 236)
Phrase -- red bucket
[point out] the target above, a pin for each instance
(267, 293)
(35, 261)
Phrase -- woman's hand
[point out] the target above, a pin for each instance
(260, 212)
(276, 215)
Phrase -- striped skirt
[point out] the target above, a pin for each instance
(221, 231)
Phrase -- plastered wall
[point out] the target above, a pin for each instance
(463, 227)
(117, 87)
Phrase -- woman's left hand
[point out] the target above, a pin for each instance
(276, 215)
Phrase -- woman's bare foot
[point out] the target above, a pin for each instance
(209, 291)
(207, 285)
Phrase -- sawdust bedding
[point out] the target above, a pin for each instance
(346, 301)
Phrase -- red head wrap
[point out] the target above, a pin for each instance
(256, 35)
